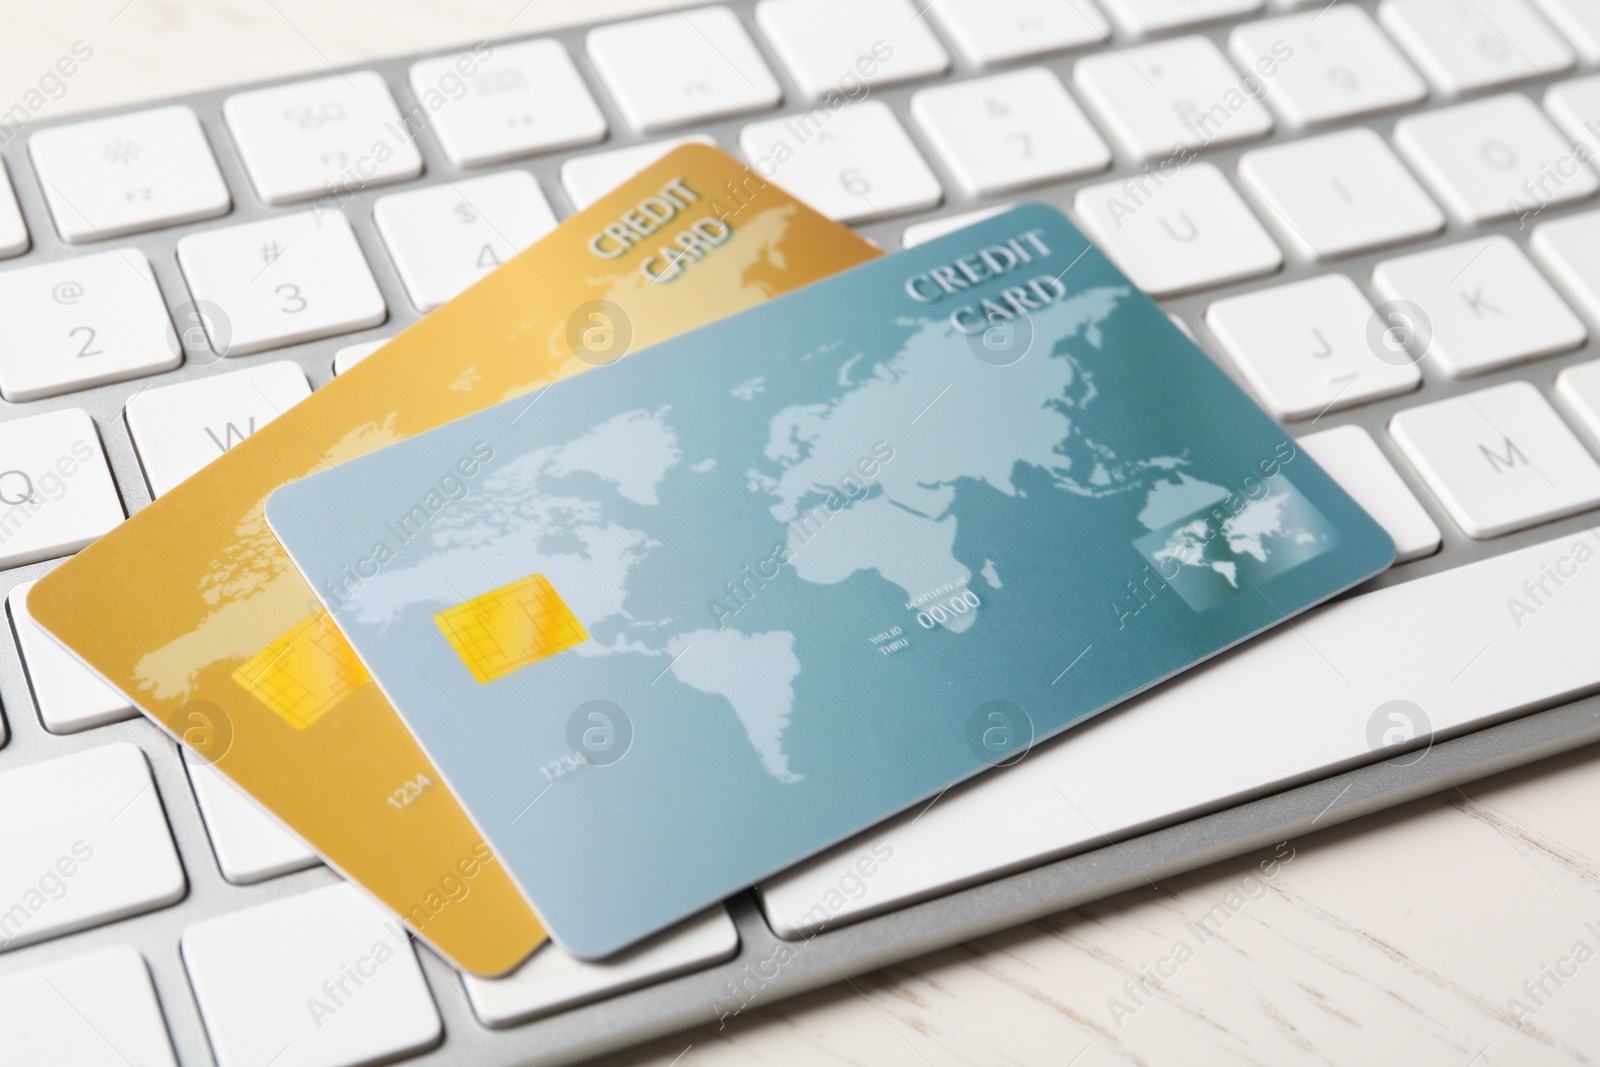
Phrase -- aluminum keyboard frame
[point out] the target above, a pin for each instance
(696, 999)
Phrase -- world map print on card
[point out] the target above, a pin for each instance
(809, 553)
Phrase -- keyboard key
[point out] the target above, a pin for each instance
(856, 164)
(523, 98)
(1486, 306)
(1007, 131)
(350, 355)
(1575, 107)
(1445, 642)
(923, 232)
(1339, 65)
(1188, 233)
(1499, 459)
(321, 137)
(989, 32)
(1339, 193)
(838, 46)
(588, 178)
(1493, 159)
(178, 429)
(13, 231)
(1162, 98)
(1354, 460)
(1462, 45)
(1142, 17)
(321, 978)
(689, 66)
(70, 697)
(94, 1010)
(1579, 23)
(448, 236)
(128, 173)
(56, 492)
(1306, 348)
(1569, 251)
(93, 848)
(280, 281)
(552, 980)
(250, 845)
(1578, 392)
(77, 323)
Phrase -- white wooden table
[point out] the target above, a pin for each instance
(1461, 930)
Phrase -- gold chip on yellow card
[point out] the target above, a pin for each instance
(510, 627)
(304, 673)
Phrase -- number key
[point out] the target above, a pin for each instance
(280, 281)
(1009, 130)
(854, 165)
(82, 322)
(445, 237)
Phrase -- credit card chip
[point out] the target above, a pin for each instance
(510, 627)
(304, 673)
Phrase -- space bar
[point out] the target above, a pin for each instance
(1460, 648)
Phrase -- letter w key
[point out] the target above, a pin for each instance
(180, 428)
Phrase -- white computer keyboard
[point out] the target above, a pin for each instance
(1317, 193)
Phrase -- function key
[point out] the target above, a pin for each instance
(507, 100)
(322, 137)
(689, 66)
(839, 47)
(128, 173)
(989, 32)
(1142, 17)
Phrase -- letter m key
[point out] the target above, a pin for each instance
(1506, 458)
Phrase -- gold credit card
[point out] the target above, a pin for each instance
(192, 609)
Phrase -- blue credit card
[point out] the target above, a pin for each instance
(672, 625)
